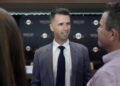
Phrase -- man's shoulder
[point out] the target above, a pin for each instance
(77, 45)
(44, 48)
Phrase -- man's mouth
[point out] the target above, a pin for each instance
(65, 33)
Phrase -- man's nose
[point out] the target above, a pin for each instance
(66, 27)
(97, 29)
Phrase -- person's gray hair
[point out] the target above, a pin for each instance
(113, 18)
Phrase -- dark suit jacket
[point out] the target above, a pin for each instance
(43, 66)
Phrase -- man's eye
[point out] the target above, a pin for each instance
(61, 24)
(68, 23)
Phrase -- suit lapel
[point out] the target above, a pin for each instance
(74, 63)
(50, 63)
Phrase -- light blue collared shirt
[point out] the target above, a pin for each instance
(109, 74)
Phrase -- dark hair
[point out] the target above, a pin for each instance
(113, 18)
(12, 62)
(62, 11)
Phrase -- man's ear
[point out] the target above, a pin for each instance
(51, 27)
(114, 34)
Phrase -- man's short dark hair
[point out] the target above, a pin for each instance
(62, 11)
(113, 18)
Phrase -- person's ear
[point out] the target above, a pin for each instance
(114, 34)
(51, 27)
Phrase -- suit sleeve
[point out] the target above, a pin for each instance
(36, 74)
(87, 69)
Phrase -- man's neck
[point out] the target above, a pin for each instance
(61, 42)
(114, 47)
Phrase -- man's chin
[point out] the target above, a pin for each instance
(99, 44)
(64, 39)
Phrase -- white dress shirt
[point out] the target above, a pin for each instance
(68, 63)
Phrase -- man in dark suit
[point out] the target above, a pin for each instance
(54, 66)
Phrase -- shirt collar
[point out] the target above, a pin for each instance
(66, 44)
(112, 55)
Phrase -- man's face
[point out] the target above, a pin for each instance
(61, 27)
(103, 34)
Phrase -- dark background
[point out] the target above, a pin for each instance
(82, 23)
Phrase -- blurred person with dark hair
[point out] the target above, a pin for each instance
(62, 62)
(12, 62)
(109, 39)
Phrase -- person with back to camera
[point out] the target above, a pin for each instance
(12, 62)
(62, 62)
(109, 39)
